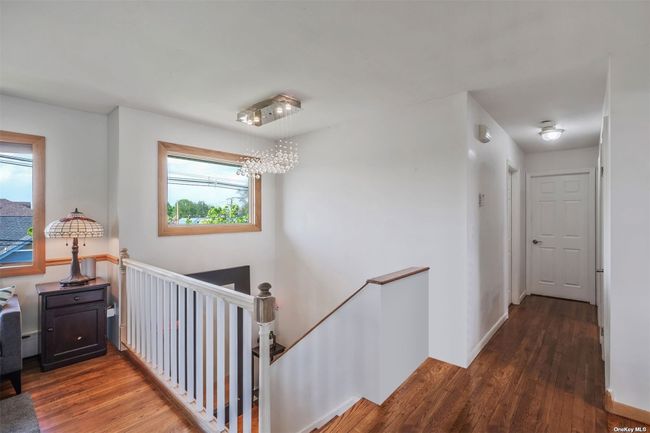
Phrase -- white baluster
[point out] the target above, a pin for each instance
(221, 364)
(247, 373)
(140, 313)
(173, 346)
(209, 356)
(152, 319)
(151, 334)
(191, 349)
(198, 314)
(182, 352)
(136, 305)
(232, 374)
(132, 304)
(129, 307)
(159, 321)
(166, 328)
(146, 305)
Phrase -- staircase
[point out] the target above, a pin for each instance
(184, 333)
(347, 363)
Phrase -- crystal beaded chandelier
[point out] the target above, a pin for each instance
(283, 156)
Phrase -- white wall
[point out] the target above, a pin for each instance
(137, 212)
(585, 157)
(371, 196)
(403, 320)
(627, 270)
(75, 176)
(486, 227)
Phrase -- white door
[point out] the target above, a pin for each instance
(561, 215)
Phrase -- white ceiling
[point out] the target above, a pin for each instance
(206, 60)
(573, 98)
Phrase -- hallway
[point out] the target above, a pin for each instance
(541, 372)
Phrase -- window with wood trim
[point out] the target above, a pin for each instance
(22, 204)
(200, 192)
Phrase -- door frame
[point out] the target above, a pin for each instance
(512, 270)
(591, 224)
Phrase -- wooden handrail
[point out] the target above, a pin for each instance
(240, 299)
(381, 280)
(66, 260)
(398, 275)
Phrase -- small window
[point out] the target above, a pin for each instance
(22, 204)
(200, 192)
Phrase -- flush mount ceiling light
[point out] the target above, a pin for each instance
(269, 110)
(549, 131)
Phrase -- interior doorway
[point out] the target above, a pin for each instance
(561, 231)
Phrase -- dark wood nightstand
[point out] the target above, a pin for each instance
(73, 322)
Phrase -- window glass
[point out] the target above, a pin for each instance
(206, 192)
(16, 207)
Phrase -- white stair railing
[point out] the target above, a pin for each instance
(176, 326)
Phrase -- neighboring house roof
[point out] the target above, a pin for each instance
(15, 220)
(15, 208)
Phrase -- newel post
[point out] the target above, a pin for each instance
(122, 298)
(265, 315)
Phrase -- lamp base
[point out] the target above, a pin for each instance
(74, 280)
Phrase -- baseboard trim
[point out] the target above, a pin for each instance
(522, 296)
(621, 409)
(486, 338)
(331, 414)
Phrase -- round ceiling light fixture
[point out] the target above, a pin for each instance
(549, 131)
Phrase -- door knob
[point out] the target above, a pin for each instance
(535, 241)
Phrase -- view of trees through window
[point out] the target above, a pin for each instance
(206, 192)
(16, 214)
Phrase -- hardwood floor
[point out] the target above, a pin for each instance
(541, 372)
(106, 394)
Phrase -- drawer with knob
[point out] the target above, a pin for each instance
(73, 323)
(55, 301)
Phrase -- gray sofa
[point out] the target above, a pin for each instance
(11, 360)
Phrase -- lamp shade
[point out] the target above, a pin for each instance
(75, 225)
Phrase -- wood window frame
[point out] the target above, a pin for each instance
(166, 149)
(37, 266)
